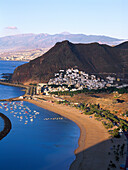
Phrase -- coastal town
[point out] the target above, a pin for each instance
(96, 101)
(71, 80)
(52, 95)
(91, 113)
(63, 85)
(22, 55)
(74, 80)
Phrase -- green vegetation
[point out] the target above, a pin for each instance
(127, 113)
(92, 91)
(108, 125)
(33, 84)
(108, 119)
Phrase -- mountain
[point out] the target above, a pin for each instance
(35, 41)
(124, 45)
(91, 58)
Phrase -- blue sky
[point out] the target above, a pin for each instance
(91, 17)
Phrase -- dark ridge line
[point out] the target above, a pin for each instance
(7, 126)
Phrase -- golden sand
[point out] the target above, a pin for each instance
(95, 145)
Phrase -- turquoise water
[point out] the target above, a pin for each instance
(39, 139)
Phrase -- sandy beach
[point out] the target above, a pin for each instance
(96, 147)
(95, 150)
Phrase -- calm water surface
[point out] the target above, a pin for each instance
(39, 139)
(8, 91)
(9, 66)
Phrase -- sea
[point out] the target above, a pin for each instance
(39, 139)
(8, 91)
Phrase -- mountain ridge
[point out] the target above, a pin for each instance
(91, 58)
(123, 45)
(44, 40)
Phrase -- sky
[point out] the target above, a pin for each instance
(90, 17)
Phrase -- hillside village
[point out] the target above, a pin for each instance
(73, 79)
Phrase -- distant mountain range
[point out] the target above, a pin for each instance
(35, 41)
(92, 58)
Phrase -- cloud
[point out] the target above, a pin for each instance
(11, 28)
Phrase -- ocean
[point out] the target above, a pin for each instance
(9, 66)
(39, 139)
(8, 91)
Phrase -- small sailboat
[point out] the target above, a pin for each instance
(31, 120)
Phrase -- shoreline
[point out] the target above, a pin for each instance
(94, 142)
(12, 84)
(26, 88)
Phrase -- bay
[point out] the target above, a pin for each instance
(46, 143)
(39, 139)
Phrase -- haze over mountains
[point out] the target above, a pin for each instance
(92, 58)
(36, 41)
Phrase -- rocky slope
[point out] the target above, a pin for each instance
(91, 58)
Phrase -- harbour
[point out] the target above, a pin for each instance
(38, 137)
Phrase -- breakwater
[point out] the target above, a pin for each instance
(29, 90)
(11, 99)
(15, 85)
(7, 126)
(12, 84)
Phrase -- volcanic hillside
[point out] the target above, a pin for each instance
(91, 58)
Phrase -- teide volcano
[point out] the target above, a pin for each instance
(91, 58)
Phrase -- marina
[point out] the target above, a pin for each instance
(39, 136)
